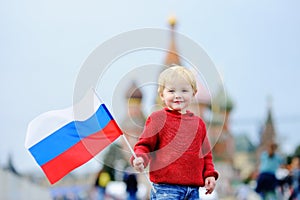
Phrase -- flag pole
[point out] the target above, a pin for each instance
(127, 143)
(134, 155)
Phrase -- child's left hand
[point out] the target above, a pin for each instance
(210, 183)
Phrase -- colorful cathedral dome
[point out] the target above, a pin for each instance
(134, 92)
(222, 101)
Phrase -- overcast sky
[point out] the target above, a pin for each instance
(254, 45)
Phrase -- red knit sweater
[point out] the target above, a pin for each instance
(177, 148)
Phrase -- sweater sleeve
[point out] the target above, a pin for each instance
(147, 141)
(209, 169)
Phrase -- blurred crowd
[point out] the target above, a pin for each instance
(276, 179)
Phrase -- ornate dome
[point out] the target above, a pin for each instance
(134, 92)
(223, 101)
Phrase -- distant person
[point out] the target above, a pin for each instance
(295, 178)
(102, 180)
(175, 143)
(270, 162)
(130, 180)
(284, 179)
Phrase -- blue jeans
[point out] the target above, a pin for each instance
(174, 192)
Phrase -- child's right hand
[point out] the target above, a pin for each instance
(138, 164)
(210, 184)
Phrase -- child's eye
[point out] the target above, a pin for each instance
(184, 90)
(172, 91)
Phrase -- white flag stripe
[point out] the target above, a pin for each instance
(47, 123)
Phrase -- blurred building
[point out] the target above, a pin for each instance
(133, 123)
(220, 134)
(268, 133)
(247, 154)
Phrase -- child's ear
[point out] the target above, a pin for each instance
(161, 96)
(194, 93)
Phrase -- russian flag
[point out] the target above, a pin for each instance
(63, 140)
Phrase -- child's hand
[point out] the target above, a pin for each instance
(138, 164)
(210, 183)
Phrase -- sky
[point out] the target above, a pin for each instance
(253, 44)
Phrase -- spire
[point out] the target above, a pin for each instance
(268, 134)
(172, 56)
(269, 117)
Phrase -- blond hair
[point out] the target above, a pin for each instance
(176, 71)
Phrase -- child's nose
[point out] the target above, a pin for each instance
(177, 95)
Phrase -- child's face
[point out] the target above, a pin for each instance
(177, 94)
